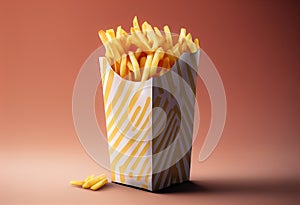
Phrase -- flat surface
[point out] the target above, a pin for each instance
(43, 179)
(254, 45)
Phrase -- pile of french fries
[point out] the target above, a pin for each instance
(91, 182)
(146, 52)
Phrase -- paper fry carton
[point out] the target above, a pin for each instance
(150, 124)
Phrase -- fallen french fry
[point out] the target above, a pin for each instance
(94, 183)
(76, 183)
(99, 184)
(89, 177)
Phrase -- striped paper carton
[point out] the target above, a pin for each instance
(150, 125)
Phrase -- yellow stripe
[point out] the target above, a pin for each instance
(115, 98)
(130, 142)
(113, 176)
(112, 134)
(119, 124)
(134, 99)
(130, 175)
(143, 112)
(109, 83)
(148, 174)
(122, 178)
(142, 169)
(135, 113)
(107, 113)
(145, 123)
(119, 139)
(145, 186)
(132, 154)
(144, 150)
(117, 158)
(117, 113)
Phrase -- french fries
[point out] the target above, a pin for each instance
(91, 182)
(137, 55)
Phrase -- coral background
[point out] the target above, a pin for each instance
(254, 45)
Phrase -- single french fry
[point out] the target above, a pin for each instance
(122, 32)
(157, 31)
(197, 42)
(168, 35)
(110, 33)
(123, 65)
(189, 37)
(142, 61)
(147, 67)
(172, 57)
(76, 182)
(135, 65)
(181, 35)
(102, 36)
(192, 46)
(119, 32)
(144, 27)
(166, 63)
(89, 177)
(156, 58)
(129, 65)
(99, 184)
(117, 67)
(115, 44)
(136, 24)
(122, 35)
(104, 40)
(165, 66)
